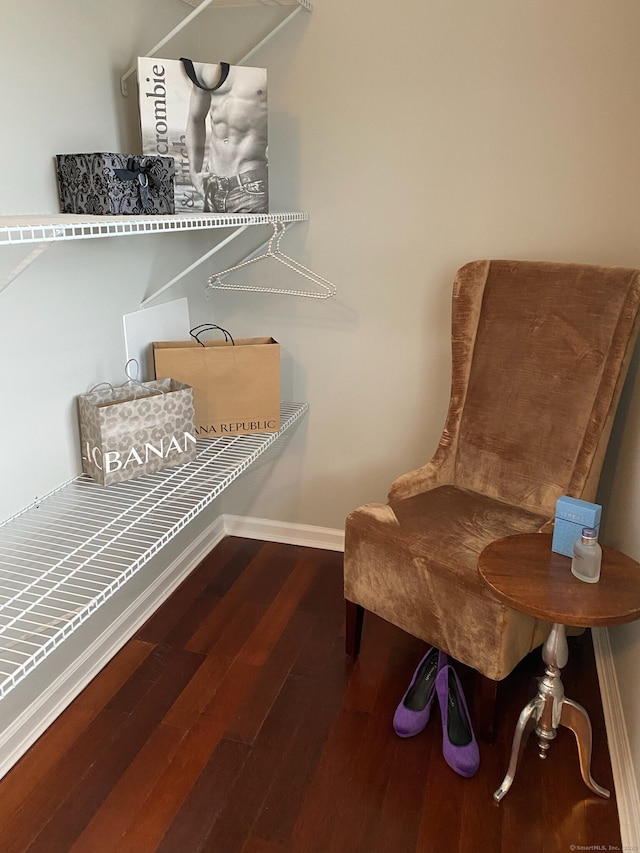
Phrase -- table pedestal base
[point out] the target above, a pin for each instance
(549, 710)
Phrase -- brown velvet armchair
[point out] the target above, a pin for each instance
(540, 352)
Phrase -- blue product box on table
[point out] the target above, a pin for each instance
(572, 515)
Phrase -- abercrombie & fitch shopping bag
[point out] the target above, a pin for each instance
(135, 429)
(236, 383)
(212, 119)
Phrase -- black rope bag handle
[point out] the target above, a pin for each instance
(191, 74)
(209, 327)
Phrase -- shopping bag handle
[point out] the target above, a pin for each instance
(191, 74)
(209, 327)
(132, 371)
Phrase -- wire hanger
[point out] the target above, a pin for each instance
(273, 250)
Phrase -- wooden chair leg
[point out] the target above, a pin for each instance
(355, 615)
(485, 708)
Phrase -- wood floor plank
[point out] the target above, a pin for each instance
(210, 579)
(121, 807)
(48, 796)
(251, 714)
(477, 816)
(331, 784)
(440, 827)
(408, 775)
(259, 582)
(357, 821)
(275, 566)
(119, 669)
(199, 694)
(252, 786)
(262, 641)
(259, 845)
(371, 667)
(84, 797)
(64, 731)
(325, 594)
(51, 747)
(225, 573)
(291, 778)
(142, 680)
(317, 648)
(208, 796)
(174, 786)
(324, 600)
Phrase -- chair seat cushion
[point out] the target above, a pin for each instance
(414, 563)
(452, 526)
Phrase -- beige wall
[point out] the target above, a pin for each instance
(417, 134)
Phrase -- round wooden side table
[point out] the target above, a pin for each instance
(526, 574)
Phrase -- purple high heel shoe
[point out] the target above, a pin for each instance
(459, 745)
(412, 714)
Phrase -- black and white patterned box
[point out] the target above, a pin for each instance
(115, 184)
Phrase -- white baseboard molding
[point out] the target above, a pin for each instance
(327, 538)
(624, 774)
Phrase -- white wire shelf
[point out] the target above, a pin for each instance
(231, 3)
(46, 228)
(64, 556)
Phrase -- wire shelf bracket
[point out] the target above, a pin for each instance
(67, 554)
(277, 223)
(234, 235)
(23, 265)
(205, 4)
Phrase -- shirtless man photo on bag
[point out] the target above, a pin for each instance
(228, 158)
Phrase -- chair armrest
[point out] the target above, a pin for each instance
(423, 479)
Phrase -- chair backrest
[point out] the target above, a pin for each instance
(540, 352)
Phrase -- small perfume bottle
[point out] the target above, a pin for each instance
(587, 556)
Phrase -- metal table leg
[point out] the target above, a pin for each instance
(549, 710)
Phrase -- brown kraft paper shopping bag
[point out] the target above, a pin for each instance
(236, 383)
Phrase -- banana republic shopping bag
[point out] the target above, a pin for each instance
(236, 383)
(135, 429)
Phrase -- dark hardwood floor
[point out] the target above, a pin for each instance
(234, 722)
